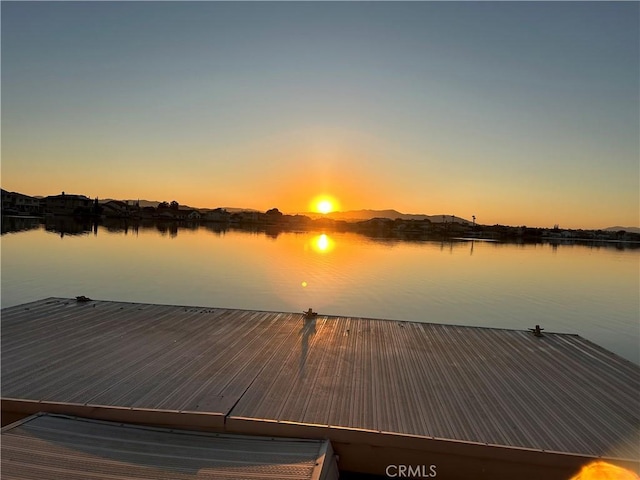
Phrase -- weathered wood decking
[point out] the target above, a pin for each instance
(440, 392)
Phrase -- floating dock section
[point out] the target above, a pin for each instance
(461, 402)
(51, 447)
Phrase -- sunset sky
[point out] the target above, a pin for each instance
(518, 113)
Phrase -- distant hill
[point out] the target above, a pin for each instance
(155, 203)
(229, 209)
(626, 229)
(143, 203)
(359, 215)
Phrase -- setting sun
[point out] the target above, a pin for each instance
(324, 204)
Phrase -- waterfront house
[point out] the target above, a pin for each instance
(165, 214)
(248, 217)
(19, 204)
(147, 212)
(192, 214)
(66, 204)
(115, 208)
(217, 215)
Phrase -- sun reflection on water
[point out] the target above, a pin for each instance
(322, 243)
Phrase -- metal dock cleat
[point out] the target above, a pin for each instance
(537, 331)
(310, 313)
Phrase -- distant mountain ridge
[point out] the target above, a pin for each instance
(155, 203)
(349, 215)
(626, 229)
(359, 215)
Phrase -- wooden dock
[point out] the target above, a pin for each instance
(475, 402)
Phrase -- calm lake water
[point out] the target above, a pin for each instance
(589, 290)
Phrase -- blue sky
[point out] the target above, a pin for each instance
(516, 112)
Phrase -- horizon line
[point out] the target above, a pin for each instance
(320, 214)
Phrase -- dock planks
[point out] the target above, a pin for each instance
(270, 372)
